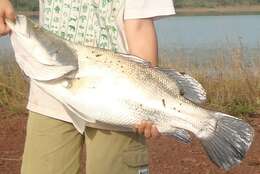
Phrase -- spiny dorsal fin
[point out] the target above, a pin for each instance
(136, 59)
(190, 88)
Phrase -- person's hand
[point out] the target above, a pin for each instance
(147, 129)
(6, 11)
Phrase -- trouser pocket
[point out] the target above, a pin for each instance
(136, 156)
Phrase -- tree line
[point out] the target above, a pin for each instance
(26, 5)
(33, 5)
(213, 3)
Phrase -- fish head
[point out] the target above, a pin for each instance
(28, 36)
(36, 49)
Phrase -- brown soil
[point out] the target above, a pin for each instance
(167, 156)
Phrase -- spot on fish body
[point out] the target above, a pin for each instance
(182, 92)
(163, 102)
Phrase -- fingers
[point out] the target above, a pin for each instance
(6, 11)
(147, 129)
(154, 131)
(10, 13)
(3, 28)
(139, 128)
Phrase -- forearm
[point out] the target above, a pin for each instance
(142, 42)
(141, 39)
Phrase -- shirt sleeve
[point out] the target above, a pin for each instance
(136, 9)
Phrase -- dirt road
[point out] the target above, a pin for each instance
(166, 155)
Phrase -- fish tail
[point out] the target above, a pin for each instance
(228, 142)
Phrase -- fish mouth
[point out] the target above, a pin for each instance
(20, 26)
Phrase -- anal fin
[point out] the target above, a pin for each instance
(181, 135)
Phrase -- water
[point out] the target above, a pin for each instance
(5, 47)
(191, 32)
(205, 36)
(198, 36)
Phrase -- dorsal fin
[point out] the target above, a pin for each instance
(190, 88)
(136, 59)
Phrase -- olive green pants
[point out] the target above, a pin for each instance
(55, 147)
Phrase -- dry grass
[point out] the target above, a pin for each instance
(13, 88)
(232, 85)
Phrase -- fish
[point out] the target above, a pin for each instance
(123, 90)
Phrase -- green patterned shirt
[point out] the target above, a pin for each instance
(88, 22)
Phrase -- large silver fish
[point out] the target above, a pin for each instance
(122, 90)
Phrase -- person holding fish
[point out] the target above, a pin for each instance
(55, 136)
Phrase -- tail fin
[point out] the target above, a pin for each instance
(229, 142)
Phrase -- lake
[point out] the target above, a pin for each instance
(203, 36)
(199, 36)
